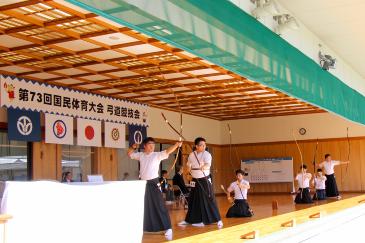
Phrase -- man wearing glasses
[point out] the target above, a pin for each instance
(202, 206)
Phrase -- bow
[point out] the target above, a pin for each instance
(230, 199)
(230, 148)
(301, 161)
(314, 166)
(230, 145)
(349, 151)
(315, 156)
(181, 137)
(169, 124)
(172, 127)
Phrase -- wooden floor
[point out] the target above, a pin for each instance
(261, 204)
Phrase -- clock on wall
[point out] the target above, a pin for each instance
(302, 131)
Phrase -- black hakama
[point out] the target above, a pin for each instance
(202, 206)
(303, 196)
(331, 186)
(320, 194)
(156, 217)
(239, 209)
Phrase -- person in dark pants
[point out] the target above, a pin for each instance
(202, 206)
(303, 178)
(331, 185)
(240, 207)
(178, 180)
(156, 216)
(163, 181)
(319, 183)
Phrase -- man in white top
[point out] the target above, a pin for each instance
(202, 206)
(331, 185)
(303, 179)
(156, 217)
(239, 187)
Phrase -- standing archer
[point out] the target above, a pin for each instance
(202, 206)
(156, 216)
(331, 185)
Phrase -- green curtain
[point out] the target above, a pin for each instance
(222, 33)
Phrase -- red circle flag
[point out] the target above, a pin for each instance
(89, 132)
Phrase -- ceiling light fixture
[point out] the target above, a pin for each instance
(265, 8)
(285, 23)
(326, 61)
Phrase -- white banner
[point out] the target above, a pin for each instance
(114, 135)
(19, 93)
(59, 129)
(88, 132)
(40, 212)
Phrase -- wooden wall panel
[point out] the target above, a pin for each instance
(46, 161)
(360, 158)
(106, 163)
(351, 180)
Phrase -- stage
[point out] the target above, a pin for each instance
(261, 205)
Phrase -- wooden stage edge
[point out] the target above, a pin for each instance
(273, 224)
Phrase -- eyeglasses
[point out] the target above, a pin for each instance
(202, 144)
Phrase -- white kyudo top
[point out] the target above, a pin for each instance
(303, 181)
(320, 183)
(237, 192)
(149, 163)
(328, 166)
(204, 158)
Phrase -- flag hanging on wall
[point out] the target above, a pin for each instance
(136, 134)
(59, 129)
(88, 132)
(24, 125)
(114, 135)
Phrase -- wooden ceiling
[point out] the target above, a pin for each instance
(60, 44)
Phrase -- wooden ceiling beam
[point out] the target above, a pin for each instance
(20, 29)
(18, 5)
(212, 100)
(58, 41)
(182, 70)
(72, 11)
(96, 33)
(26, 18)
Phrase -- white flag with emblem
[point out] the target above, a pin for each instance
(59, 129)
(114, 135)
(88, 132)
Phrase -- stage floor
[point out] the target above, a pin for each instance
(261, 205)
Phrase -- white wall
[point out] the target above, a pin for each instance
(273, 129)
(268, 129)
(193, 126)
(307, 42)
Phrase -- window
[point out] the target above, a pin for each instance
(14, 164)
(77, 160)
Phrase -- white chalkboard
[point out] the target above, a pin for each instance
(267, 170)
